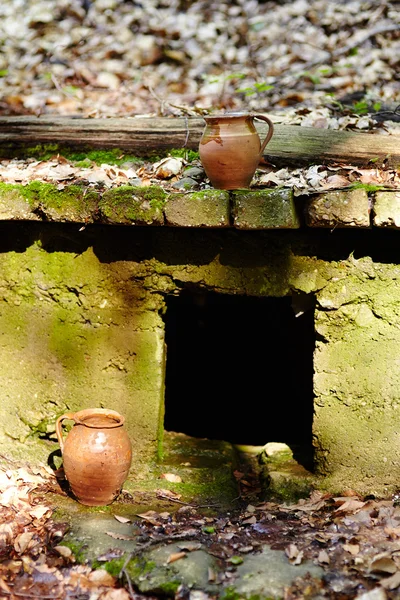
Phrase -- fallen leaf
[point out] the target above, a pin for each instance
(171, 477)
(22, 541)
(391, 583)
(347, 505)
(383, 564)
(151, 516)
(250, 521)
(4, 586)
(175, 556)
(353, 549)
(122, 519)
(102, 577)
(323, 557)
(119, 536)
(294, 555)
(116, 594)
(168, 494)
(39, 511)
(190, 546)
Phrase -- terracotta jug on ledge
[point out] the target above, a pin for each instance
(97, 454)
(230, 149)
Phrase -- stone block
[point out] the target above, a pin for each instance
(265, 209)
(208, 208)
(347, 208)
(357, 381)
(131, 205)
(387, 209)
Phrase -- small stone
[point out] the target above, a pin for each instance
(186, 183)
(195, 173)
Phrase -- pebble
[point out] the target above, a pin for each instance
(186, 183)
(194, 173)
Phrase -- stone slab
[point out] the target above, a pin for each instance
(130, 205)
(349, 208)
(265, 209)
(387, 210)
(208, 208)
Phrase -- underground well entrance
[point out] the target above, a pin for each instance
(240, 369)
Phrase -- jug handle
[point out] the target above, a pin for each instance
(59, 434)
(270, 131)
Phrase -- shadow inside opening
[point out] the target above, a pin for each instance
(240, 369)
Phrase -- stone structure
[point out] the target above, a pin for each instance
(81, 310)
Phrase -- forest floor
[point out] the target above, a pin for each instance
(308, 63)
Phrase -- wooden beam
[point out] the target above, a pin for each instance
(142, 136)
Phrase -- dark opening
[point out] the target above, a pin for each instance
(240, 369)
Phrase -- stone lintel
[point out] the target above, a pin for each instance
(265, 209)
(345, 208)
(208, 208)
(387, 209)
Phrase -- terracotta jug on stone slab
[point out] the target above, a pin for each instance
(230, 149)
(97, 454)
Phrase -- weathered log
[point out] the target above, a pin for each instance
(142, 136)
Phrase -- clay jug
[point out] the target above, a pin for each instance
(230, 149)
(96, 454)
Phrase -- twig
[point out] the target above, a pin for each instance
(160, 100)
(27, 595)
(162, 497)
(59, 88)
(129, 582)
(187, 131)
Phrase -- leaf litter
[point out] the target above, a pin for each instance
(307, 63)
(355, 540)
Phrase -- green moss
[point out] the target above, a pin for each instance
(74, 202)
(368, 187)
(229, 593)
(136, 567)
(169, 588)
(188, 155)
(112, 156)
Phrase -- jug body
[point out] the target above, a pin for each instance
(230, 149)
(97, 455)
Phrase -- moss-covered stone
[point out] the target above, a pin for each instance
(133, 205)
(266, 209)
(44, 201)
(357, 379)
(209, 208)
(347, 208)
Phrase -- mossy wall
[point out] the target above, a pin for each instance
(75, 333)
(357, 379)
(81, 324)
